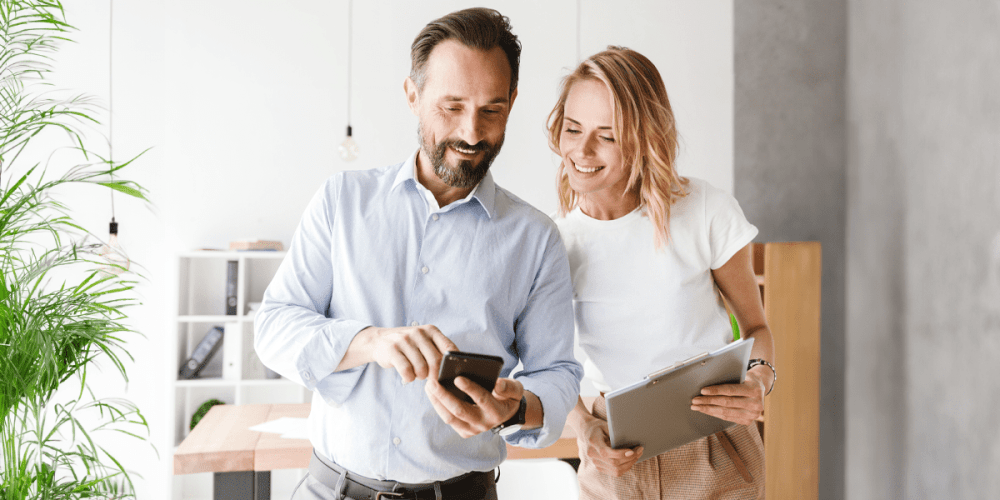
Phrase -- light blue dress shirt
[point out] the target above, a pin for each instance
(489, 271)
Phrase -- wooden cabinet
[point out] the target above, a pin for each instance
(789, 275)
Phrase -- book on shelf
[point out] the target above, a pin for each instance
(231, 270)
(256, 245)
(206, 348)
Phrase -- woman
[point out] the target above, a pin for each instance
(650, 252)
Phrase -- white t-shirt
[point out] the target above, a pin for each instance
(639, 309)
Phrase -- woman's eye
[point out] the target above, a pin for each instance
(572, 131)
(608, 139)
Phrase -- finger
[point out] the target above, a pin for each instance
(475, 391)
(460, 409)
(752, 405)
(415, 358)
(508, 389)
(624, 468)
(460, 426)
(725, 401)
(440, 340)
(729, 414)
(727, 390)
(402, 365)
(430, 353)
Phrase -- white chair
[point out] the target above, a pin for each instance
(541, 478)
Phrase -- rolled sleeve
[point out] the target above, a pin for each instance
(294, 334)
(545, 342)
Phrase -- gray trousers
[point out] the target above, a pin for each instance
(325, 481)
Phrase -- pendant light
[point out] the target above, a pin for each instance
(112, 252)
(349, 148)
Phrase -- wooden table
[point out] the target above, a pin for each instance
(242, 460)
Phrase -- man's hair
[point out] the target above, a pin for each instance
(478, 28)
(644, 127)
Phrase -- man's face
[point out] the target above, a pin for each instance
(463, 111)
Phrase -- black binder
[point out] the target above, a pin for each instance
(231, 268)
(208, 346)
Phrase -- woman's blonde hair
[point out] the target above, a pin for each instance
(644, 128)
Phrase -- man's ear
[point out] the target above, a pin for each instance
(513, 96)
(412, 95)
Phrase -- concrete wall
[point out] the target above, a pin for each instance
(790, 176)
(923, 249)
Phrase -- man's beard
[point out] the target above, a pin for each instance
(465, 174)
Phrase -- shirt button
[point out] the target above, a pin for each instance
(396, 441)
(307, 375)
(435, 217)
(425, 270)
(414, 323)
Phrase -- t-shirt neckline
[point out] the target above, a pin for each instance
(607, 224)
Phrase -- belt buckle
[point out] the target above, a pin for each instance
(387, 494)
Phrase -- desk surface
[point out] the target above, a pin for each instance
(222, 442)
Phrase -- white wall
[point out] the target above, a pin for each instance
(244, 105)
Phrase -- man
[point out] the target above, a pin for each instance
(391, 267)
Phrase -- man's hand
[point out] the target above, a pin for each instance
(491, 408)
(415, 352)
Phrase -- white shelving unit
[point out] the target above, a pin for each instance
(234, 374)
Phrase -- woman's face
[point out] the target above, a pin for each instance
(587, 143)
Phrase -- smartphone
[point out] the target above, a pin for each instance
(482, 369)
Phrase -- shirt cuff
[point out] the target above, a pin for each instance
(318, 363)
(554, 413)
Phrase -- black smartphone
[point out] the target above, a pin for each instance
(482, 369)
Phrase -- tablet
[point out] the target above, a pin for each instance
(656, 413)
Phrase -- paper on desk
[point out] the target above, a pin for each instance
(288, 427)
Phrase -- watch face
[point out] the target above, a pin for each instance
(510, 429)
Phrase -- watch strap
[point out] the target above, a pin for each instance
(519, 417)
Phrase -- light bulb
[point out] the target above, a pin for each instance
(349, 148)
(113, 253)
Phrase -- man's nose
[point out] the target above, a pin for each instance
(472, 128)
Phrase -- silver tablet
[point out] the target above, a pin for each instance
(656, 413)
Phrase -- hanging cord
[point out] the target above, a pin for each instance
(111, 104)
(350, 36)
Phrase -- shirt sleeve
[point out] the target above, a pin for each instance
(294, 334)
(728, 228)
(544, 338)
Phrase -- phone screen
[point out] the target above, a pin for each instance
(482, 369)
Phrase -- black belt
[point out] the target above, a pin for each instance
(473, 485)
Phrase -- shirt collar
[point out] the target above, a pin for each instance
(484, 192)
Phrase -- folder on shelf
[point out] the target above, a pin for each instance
(231, 271)
(208, 346)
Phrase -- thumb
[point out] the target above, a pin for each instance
(507, 389)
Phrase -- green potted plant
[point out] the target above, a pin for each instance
(61, 301)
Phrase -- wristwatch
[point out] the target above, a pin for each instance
(515, 423)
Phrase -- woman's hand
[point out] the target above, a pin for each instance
(739, 403)
(594, 443)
